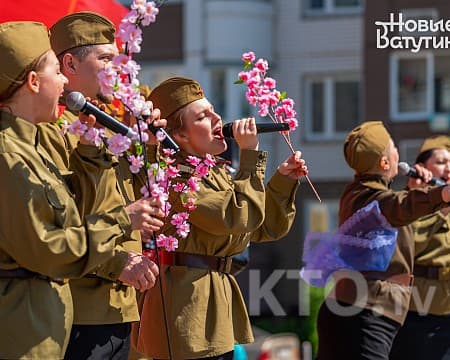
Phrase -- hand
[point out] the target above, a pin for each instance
(145, 214)
(424, 174)
(294, 166)
(156, 121)
(139, 272)
(244, 132)
(445, 193)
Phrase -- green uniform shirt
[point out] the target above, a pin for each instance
(100, 299)
(206, 311)
(42, 231)
(400, 208)
(432, 239)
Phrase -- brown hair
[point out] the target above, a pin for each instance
(36, 65)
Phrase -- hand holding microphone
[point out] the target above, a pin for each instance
(261, 128)
(406, 170)
(245, 131)
(75, 101)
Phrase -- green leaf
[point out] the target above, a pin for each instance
(283, 95)
(248, 65)
(239, 81)
(138, 148)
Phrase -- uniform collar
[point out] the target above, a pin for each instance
(18, 127)
(367, 179)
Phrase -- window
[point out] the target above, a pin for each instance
(332, 106)
(319, 217)
(329, 7)
(420, 85)
(218, 91)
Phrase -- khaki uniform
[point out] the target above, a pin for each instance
(100, 298)
(432, 239)
(42, 231)
(206, 311)
(400, 209)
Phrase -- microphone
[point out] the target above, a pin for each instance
(406, 170)
(227, 129)
(75, 101)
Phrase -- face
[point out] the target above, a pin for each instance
(439, 164)
(51, 85)
(202, 130)
(83, 76)
(392, 157)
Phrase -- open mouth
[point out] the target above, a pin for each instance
(217, 133)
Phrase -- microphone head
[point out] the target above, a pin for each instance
(75, 101)
(403, 168)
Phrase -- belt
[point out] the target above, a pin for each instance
(432, 272)
(214, 263)
(21, 273)
(400, 279)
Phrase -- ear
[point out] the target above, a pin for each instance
(32, 82)
(384, 163)
(69, 63)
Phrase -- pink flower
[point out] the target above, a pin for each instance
(136, 163)
(189, 204)
(193, 184)
(77, 127)
(248, 56)
(172, 172)
(262, 65)
(178, 187)
(270, 83)
(118, 144)
(209, 160)
(202, 170)
(293, 123)
(183, 229)
(180, 218)
(171, 243)
(95, 136)
(193, 160)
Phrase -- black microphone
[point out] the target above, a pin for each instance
(406, 170)
(75, 101)
(227, 129)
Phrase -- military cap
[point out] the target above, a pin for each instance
(21, 43)
(175, 93)
(80, 29)
(435, 142)
(365, 144)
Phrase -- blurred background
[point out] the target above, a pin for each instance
(324, 54)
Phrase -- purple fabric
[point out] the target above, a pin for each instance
(365, 242)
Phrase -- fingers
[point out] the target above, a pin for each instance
(140, 272)
(294, 166)
(245, 134)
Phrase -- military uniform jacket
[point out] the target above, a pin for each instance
(206, 311)
(99, 299)
(432, 239)
(42, 231)
(400, 209)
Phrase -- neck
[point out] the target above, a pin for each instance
(23, 108)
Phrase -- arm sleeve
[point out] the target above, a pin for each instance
(403, 207)
(279, 209)
(238, 209)
(41, 227)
